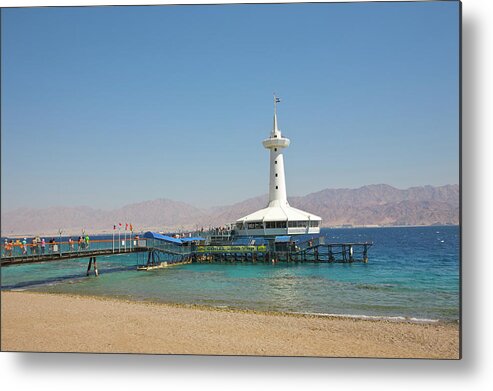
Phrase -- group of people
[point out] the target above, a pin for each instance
(38, 246)
(82, 243)
(219, 230)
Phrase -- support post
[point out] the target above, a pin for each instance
(89, 266)
(91, 260)
(95, 267)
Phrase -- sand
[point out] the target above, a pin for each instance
(61, 323)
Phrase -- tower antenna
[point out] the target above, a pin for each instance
(276, 101)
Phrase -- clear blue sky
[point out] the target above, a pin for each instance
(107, 106)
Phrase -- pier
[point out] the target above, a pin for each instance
(66, 251)
(158, 251)
(323, 253)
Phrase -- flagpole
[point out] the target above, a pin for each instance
(113, 241)
(119, 241)
(275, 104)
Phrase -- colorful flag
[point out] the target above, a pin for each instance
(131, 228)
(120, 224)
(126, 226)
(114, 226)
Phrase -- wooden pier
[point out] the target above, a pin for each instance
(320, 252)
(158, 255)
(19, 259)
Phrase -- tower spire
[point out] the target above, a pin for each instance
(276, 101)
(277, 182)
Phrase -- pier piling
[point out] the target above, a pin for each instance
(91, 260)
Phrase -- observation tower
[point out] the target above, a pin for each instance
(278, 218)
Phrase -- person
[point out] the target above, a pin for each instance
(79, 244)
(43, 245)
(71, 244)
(8, 247)
(38, 245)
(19, 245)
(34, 246)
(24, 246)
(87, 241)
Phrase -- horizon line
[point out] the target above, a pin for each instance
(223, 205)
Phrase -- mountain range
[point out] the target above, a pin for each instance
(372, 205)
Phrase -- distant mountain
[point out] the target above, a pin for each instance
(384, 205)
(161, 214)
(367, 205)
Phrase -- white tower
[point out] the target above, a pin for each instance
(278, 218)
(276, 143)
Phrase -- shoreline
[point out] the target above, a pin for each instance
(35, 321)
(363, 317)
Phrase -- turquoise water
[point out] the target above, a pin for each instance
(412, 272)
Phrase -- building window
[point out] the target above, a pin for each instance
(275, 161)
(276, 175)
(276, 187)
(298, 224)
(275, 149)
(281, 224)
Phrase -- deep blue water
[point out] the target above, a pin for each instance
(412, 272)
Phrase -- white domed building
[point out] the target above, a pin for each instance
(278, 218)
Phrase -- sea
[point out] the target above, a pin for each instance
(413, 274)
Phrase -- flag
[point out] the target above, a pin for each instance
(126, 226)
(131, 228)
(114, 226)
(120, 224)
(277, 99)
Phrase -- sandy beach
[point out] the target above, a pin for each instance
(59, 323)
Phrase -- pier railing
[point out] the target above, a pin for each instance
(32, 251)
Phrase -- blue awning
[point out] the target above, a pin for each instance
(155, 235)
(192, 239)
(282, 239)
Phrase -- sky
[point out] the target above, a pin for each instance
(106, 106)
